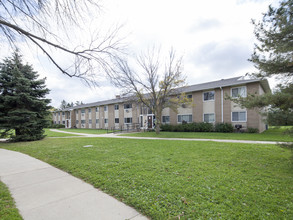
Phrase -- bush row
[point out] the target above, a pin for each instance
(56, 126)
(203, 127)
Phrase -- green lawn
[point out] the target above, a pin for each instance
(273, 134)
(84, 130)
(8, 211)
(171, 179)
(49, 133)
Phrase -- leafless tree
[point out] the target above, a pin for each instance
(48, 25)
(154, 85)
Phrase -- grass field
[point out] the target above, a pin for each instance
(85, 130)
(8, 211)
(273, 134)
(49, 133)
(179, 179)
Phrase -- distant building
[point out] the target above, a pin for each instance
(208, 105)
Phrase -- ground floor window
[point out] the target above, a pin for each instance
(90, 121)
(77, 122)
(184, 118)
(116, 120)
(127, 120)
(239, 116)
(210, 118)
(97, 121)
(166, 119)
(106, 120)
(82, 121)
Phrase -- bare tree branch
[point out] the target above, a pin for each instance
(155, 87)
(31, 20)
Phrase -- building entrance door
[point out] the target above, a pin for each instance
(150, 121)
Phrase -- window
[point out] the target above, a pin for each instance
(239, 91)
(166, 119)
(82, 121)
(89, 110)
(63, 113)
(82, 110)
(210, 118)
(127, 106)
(76, 122)
(189, 96)
(208, 96)
(105, 108)
(63, 122)
(90, 121)
(97, 121)
(97, 109)
(117, 120)
(239, 116)
(106, 120)
(127, 120)
(187, 118)
(116, 107)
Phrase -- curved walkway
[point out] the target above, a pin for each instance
(44, 192)
(111, 135)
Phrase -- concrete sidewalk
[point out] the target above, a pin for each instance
(44, 192)
(112, 135)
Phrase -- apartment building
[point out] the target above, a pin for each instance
(209, 104)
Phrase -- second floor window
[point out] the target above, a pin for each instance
(127, 106)
(208, 96)
(238, 92)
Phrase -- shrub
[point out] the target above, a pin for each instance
(205, 127)
(56, 126)
(252, 130)
(224, 127)
(166, 127)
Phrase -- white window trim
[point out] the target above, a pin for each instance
(212, 100)
(128, 122)
(169, 119)
(184, 114)
(245, 95)
(239, 111)
(209, 114)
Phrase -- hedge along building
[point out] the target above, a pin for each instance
(209, 104)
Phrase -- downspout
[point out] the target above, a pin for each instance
(222, 104)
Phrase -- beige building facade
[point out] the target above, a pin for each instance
(209, 104)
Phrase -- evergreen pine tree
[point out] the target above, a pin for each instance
(23, 106)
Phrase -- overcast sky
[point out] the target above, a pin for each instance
(215, 38)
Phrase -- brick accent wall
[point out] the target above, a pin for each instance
(111, 116)
(227, 105)
(197, 110)
(121, 115)
(218, 106)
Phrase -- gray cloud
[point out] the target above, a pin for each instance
(204, 24)
(223, 57)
